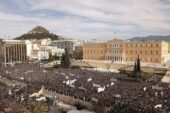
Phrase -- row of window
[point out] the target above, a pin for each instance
(96, 45)
(67, 43)
(142, 52)
(94, 57)
(120, 51)
(115, 45)
(126, 45)
(64, 46)
(95, 51)
(63, 43)
(142, 45)
(115, 58)
(117, 51)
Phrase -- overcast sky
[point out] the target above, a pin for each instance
(86, 19)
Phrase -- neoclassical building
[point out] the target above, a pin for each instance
(121, 50)
(115, 50)
(149, 51)
(94, 50)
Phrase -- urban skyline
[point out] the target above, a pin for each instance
(97, 19)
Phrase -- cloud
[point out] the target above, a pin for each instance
(14, 17)
(138, 12)
(92, 18)
(12, 21)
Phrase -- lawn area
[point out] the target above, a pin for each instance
(146, 72)
(150, 70)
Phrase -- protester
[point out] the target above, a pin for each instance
(94, 86)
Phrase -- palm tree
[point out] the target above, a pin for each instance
(37, 108)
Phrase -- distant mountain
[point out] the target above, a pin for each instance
(152, 37)
(38, 33)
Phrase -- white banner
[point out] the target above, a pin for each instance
(100, 89)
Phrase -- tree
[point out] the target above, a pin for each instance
(135, 70)
(79, 106)
(50, 56)
(65, 59)
(138, 68)
(78, 55)
(138, 64)
(37, 108)
(62, 111)
(56, 57)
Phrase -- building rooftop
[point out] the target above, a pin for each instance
(14, 41)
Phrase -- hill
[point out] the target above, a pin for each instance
(38, 33)
(152, 37)
(38, 29)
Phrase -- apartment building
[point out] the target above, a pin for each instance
(40, 49)
(64, 44)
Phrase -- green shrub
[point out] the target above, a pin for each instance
(75, 67)
(2, 84)
(56, 66)
(79, 106)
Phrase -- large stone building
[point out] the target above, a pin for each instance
(149, 51)
(78, 53)
(64, 44)
(94, 51)
(70, 44)
(41, 49)
(14, 51)
(169, 47)
(115, 50)
(120, 50)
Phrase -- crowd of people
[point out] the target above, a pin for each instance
(147, 97)
(14, 99)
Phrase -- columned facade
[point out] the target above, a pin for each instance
(14, 51)
(115, 50)
(118, 50)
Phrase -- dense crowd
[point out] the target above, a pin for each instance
(119, 96)
(14, 99)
